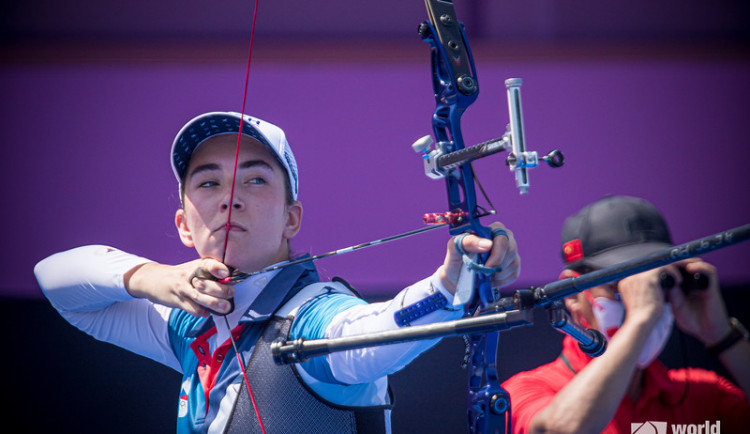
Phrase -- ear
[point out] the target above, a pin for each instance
(186, 236)
(293, 220)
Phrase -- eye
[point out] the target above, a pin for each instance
(256, 180)
(208, 184)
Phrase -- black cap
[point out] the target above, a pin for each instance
(611, 231)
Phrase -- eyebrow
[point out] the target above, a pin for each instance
(243, 165)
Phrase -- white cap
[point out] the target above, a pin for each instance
(208, 125)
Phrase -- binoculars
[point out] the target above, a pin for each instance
(690, 281)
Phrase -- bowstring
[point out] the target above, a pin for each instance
(231, 206)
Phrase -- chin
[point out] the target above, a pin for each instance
(210, 251)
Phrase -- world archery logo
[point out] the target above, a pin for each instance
(650, 427)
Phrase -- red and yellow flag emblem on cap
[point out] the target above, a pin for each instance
(572, 251)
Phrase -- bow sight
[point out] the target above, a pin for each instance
(440, 159)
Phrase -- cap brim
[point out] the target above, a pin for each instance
(206, 126)
(623, 254)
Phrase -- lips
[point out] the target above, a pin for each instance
(233, 227)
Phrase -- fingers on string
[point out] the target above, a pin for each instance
(210, 270)
(209, 296)
(216, 268)
(207, 290)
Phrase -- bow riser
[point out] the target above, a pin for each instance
(456, 87)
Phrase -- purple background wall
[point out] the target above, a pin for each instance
(87, 127)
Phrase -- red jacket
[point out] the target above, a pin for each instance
(677, 397)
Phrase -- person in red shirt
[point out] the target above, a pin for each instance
(626, 390)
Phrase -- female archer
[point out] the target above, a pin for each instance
(239, 211)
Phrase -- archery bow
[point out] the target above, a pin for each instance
(456, 87)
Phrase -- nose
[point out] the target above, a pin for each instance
(237, 203)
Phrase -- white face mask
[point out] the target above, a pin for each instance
(610, 314)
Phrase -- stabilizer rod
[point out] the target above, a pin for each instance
(299, 350)
(508, 312)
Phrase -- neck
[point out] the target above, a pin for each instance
(283, 254)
